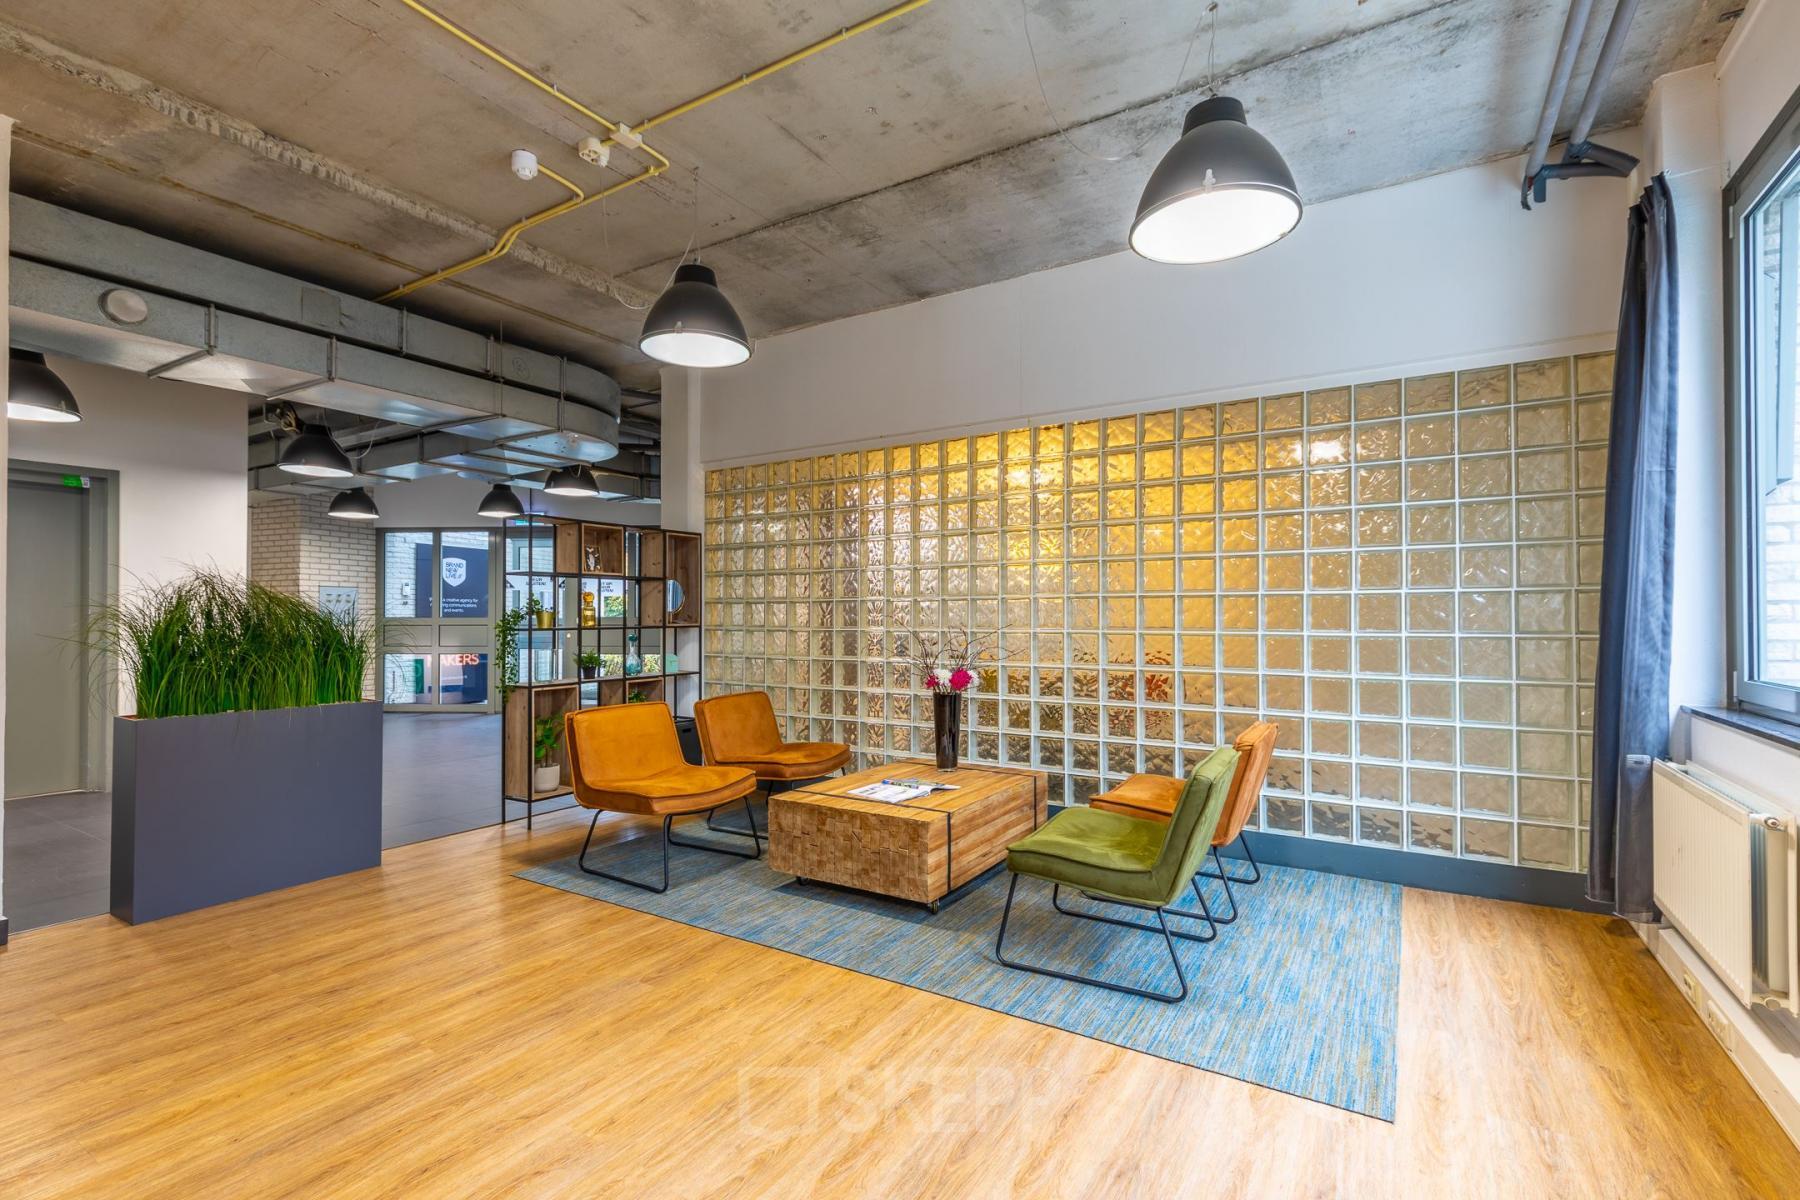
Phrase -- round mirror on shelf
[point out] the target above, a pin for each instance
(674, 594)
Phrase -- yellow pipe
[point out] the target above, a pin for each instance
(510, 234)
(660, 164)
(780, 64)
(537, 81)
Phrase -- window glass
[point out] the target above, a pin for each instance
(464, 571)
(1771, 269)
(407, 559)
(462, 678)
(405, 679)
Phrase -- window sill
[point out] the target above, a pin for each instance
(1769, 729)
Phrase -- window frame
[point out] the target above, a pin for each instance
(1776, 153)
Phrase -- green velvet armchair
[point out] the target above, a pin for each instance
(1124, 860)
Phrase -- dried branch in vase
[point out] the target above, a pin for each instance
(947, 662)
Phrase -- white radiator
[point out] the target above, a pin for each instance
(1726, 878)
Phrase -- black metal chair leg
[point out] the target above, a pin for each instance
(668, 839)
(757, 837)
(581, 859)
(1056, 903)
(1255, 875)
(766, 789)
(1162, 926)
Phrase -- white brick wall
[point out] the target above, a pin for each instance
(295, 547)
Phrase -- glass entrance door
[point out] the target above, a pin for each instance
(437, 589)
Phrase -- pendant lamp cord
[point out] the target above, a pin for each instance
(606, 248)
(1193, 39)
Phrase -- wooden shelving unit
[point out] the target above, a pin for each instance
(630, 595)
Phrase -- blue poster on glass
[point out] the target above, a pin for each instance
(464, 578)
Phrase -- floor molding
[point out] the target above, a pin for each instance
(1438, 873)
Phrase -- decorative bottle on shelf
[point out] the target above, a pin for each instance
(634, 662)
(590, 615)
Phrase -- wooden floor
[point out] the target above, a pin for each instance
(438, 1028)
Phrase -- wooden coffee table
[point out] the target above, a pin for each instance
(920, 850)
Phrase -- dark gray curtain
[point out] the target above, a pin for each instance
(1631, 683)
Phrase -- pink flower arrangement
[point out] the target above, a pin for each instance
(947, 664)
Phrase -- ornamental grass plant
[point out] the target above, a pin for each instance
(211, 643)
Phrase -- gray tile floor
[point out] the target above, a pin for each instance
(440, 775)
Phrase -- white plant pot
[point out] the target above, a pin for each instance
(547, 779)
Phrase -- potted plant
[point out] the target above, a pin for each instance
(541, 616)
(589, 662)
(546, 737)
(252, 761)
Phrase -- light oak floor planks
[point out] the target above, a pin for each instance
(438, 1028)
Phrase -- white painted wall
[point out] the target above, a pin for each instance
(181, 454)
(1681, 141)
(1447, 270)
(1758, 70)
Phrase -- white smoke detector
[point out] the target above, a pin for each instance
(524, 164)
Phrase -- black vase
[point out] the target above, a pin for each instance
(946, 715)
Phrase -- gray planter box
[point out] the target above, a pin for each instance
(216, 808)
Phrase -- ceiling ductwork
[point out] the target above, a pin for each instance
(420, 396)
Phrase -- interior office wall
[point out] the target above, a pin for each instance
(1681, 142)
(1438, 273)
(1758, 72)
(1403, 575)
(1699, 127)
(6, 124)
(180, 454)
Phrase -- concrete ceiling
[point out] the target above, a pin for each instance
(353, 142)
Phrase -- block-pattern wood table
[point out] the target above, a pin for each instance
(920, 850)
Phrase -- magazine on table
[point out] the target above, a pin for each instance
(899, 791)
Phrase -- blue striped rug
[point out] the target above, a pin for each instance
(1301, 994)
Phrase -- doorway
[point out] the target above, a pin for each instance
(60, 698)
(441, 742)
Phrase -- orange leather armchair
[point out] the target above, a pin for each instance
(739, 730)
(1153, 797)
(626, 758)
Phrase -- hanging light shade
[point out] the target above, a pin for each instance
(35, 393)
(500, 502)
(313, 452)
(572, 481)
(354, 505)
(692, 324)
(1220, 192)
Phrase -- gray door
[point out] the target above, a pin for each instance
(46, 605)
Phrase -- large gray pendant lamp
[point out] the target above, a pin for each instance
(35, 393)
(692, 324)
(1222, 191)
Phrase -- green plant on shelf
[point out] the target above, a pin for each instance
(637, 696)
(506, 642)
(546, 736)
(589, 662)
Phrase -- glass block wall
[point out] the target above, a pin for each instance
(1402, 573)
